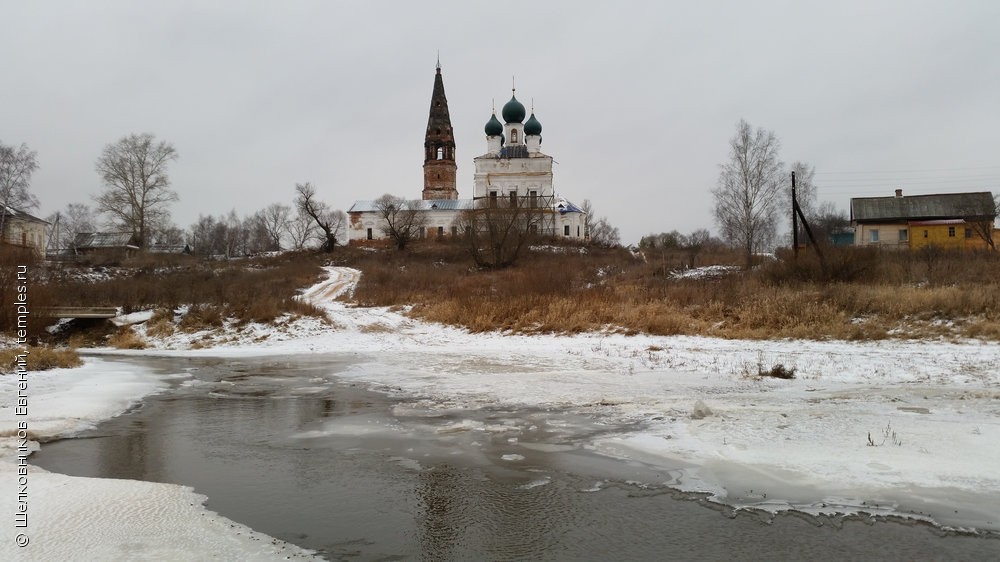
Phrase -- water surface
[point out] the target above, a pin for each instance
(282, 445)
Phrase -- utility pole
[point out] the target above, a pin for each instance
(795, 221)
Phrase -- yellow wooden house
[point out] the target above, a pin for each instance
(949, 234)
(960, 221)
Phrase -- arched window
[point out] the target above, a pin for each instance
(440, 155)
(513, 135)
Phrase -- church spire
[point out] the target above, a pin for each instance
(439, 146)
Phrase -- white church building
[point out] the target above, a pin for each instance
(512, 169)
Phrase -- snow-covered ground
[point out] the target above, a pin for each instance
(694, 405)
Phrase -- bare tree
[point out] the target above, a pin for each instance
(401, 219)
(203, 236)
(694, 244)
(805, 190)
(599, 230)
(748, 188)
(136, 185)
(16, 167)
(826, 221)
(76, 218)
(332, 223)
(980, 214)
(498, 230)
(301, 229)
(169, 235)
(274, 221)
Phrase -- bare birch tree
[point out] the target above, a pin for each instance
(332, 223)
(401, 219)
(136, 185)
(599, 230)
(16, 167)
(748, 189)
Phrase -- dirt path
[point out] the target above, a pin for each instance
(341, 280)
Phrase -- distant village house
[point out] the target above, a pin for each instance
(24, 230)
(956, 221)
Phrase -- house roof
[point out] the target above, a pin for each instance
(11, 212)
(86, 240)
(923, 207)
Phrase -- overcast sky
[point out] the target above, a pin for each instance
(637, 100)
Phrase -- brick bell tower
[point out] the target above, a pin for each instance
(439, 147)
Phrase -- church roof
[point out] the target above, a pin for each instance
(532, 126)
(439, 120)
(421, 204)
(513, 111)
(493, 127)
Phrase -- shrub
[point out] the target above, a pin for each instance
(39, 359)
(126, 338)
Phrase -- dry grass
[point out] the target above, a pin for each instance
(860, 295)
(39, 359)
(161, 325)
(126, 338)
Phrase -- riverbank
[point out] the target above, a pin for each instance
(899, 424)
(884, 427)
(106, 519)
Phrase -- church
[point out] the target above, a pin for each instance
(513, 171)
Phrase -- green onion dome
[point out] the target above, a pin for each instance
(493, 127)
(513, 111)
(532, 127)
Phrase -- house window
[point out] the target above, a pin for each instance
(873, 236)
(968, 233)
(951, 232)
(369, 234)
(925, 234)
(903, 235)
(566, 230)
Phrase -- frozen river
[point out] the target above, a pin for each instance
(292, 448)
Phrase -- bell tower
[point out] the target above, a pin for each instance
(439, 147)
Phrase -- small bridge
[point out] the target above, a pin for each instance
(80, 311)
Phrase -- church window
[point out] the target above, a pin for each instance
(513, 199)
(440, 232)
(454, 231)
(566, 230)
(577, 231)
(423, 234)
(493, 199)
(533, 198)
(513, 135)
(369, 234)
(440, 153)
